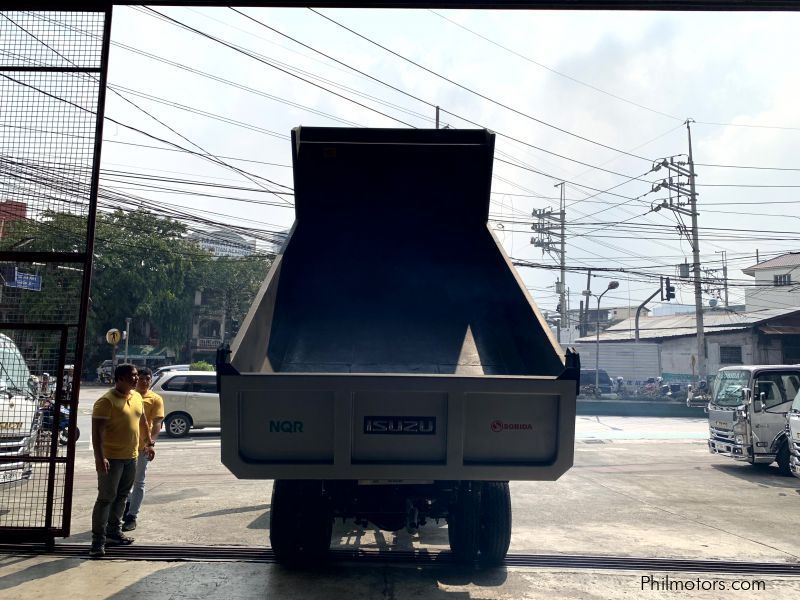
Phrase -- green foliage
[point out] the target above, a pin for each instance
(144, 268)
(201, 365)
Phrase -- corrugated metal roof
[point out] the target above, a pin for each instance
(792, 259)
(684, 324)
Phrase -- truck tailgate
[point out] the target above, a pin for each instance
(410, 427)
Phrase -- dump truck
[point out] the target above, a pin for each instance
(393, 368)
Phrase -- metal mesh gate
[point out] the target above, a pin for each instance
(52, 93)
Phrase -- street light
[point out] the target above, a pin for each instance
(612, 285)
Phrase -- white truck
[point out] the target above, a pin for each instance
(18, 414)
(393, 368)
(747, 413)
(793, 435)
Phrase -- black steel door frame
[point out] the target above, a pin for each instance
(62, 479)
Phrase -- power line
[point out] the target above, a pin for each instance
(554, 71)
(421, 100)
(273, 66)
(474, 92)
(747, 167)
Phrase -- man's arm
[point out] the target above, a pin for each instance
(145, 426)
(155, 428)
(98, 436)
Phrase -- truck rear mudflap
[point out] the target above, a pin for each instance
(409, 427)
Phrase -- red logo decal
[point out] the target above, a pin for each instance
(498, 426)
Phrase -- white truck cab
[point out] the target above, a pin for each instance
(747, 413)
(793, 435)
(18, 416)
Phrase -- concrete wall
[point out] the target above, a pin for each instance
(677, 353)
(765, 295)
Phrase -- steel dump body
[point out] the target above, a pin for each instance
(392, 338)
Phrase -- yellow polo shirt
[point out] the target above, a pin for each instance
(153, 409)
(122, 414)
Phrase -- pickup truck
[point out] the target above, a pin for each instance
(393, 369)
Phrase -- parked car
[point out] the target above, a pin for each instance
(168, 369)
(191, 401)
(588, 381)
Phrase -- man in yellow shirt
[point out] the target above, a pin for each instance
(116, 420)
(154, 412)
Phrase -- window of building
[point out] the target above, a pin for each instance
(783, 279)
(730, 355)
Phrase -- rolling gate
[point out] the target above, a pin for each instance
(52, 92)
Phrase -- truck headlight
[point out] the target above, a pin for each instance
(740, 439)
(739, 427)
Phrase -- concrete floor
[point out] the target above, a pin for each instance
(641, 487)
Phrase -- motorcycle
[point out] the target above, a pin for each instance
(46, 413)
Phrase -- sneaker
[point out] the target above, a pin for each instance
(97, 551)
(118, 539)
(129, 524)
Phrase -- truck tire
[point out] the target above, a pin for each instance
(300, 523)
(495, 523)
(464, 522)
(783, 459)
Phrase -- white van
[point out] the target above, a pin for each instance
(191, 401)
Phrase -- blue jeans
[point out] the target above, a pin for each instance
(137, 491)
(112, 489)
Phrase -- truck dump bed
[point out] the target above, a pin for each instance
(392, 338)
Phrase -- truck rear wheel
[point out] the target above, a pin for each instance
(495, 522)
(464, 522)
(301, 522)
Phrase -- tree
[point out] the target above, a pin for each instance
(144, 268)
(235, 282)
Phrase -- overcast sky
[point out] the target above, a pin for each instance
(625, 81)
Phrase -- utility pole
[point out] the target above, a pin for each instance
(676, 183)
(588, 293)
(698, 291)
(562, 217)
(127, 335)
(725, 274)
(437, 117)
(547, 226)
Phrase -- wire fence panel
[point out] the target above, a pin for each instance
(53, 69)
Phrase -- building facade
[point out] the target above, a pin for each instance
(757, 337)
(777, 283)
(209, 320)
(224, 243)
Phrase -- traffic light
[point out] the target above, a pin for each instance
(669, 290)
